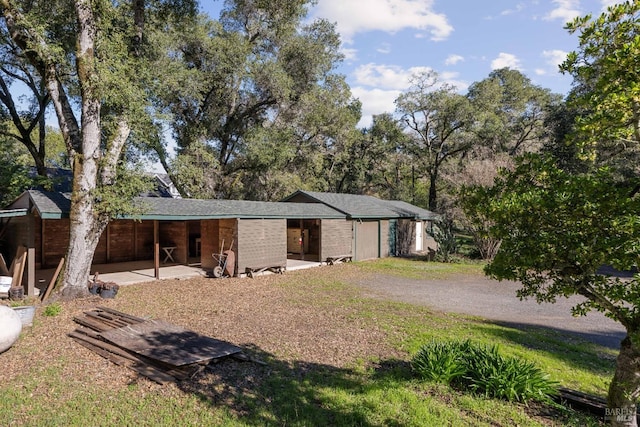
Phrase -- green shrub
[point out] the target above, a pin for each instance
(483, 370)
(52, 309)
(440, 362)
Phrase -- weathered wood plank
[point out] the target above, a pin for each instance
(109, 322)
(52, 283)
(123, 358)
(92, 323)
(169, 343)
(132, 319)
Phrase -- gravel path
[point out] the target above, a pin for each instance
(493, 300)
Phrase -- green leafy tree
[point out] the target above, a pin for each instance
(388, 170)
(27, 120)
(92, 58)
(559, 223)
(606, 72)
(509, 112)
(437, 119)
(256, 76)
(557, 230)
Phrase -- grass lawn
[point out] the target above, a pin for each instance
(333, 356)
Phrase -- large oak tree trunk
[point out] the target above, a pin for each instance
(86, 224)
(86, 227)
(625, 386)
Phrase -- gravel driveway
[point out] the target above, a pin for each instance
(493, 300)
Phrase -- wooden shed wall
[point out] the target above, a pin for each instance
(17, 229)
(144, 240)
(367, 240)
(336, 238)
(209, 235)
(55, 240)
(213, 233)
(384, 238)
(174, 233)
(121, 242)
(261, 243)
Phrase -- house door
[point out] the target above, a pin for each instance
(419, 237)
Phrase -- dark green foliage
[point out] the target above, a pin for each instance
(444, 235)
(441, 362)
(483, 370)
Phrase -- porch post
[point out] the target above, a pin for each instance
(31, 258)
(156, 249)
(301, 239)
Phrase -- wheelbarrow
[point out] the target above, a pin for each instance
(225, 261)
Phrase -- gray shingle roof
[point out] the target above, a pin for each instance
(326, 205)
(362, 206)
(160, 208)
(407, 209)
(57, 205)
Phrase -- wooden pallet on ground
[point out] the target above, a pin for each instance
(156, 349)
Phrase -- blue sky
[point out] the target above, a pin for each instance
(386, 41)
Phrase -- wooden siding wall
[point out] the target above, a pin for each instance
(367, 240)
(55, 240)
(174, 233)
(384, 238)
(261, 243)
(336, 239)
(212, 234)
(18, 235)
(209, 241)
(121, 242)
(144, 240)
(228, 231)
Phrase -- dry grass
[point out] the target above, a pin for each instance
(302, 320)
(317, 334)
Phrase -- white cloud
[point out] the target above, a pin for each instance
(453, 79)
(359, 16)
(506, 60)
(384, 48)
(374, 101)
(540, 71)
(453, 59)
(519, 7)
(349, 54)
(566, 10)
(377, 87)
(554, 57)
(394, 77)
(388, 77)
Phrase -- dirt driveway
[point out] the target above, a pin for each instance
(493, 300)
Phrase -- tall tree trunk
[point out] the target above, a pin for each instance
(433, 191)
(625, 386)
(86, 224)
(85, 230)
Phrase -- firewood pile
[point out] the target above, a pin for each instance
(155, 349)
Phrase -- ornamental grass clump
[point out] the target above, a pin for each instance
(483, 370)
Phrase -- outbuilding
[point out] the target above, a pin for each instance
(310, 226)
(376, 228)
(182, 231)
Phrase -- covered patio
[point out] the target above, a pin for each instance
(129, 273)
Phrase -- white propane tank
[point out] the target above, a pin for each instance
(11, 327)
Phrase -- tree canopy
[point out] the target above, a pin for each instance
(558, 223)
